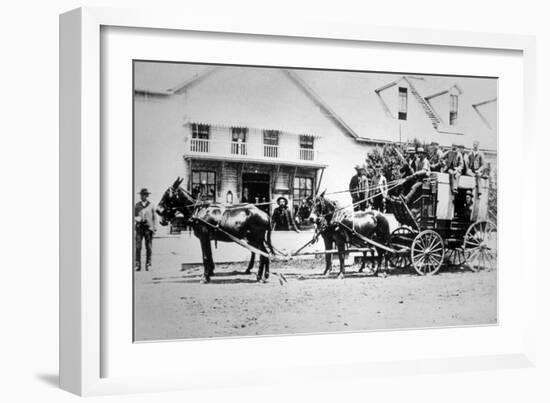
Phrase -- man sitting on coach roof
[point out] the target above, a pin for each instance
(454, 164)
(422, 166)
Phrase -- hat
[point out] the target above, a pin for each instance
(420, 150)
(358, 167)
(410, 150)
(434, 143)
(469, 193)
(378, 166)
(144, 191)
(282, 198)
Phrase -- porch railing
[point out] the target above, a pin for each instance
(307, 154)
(238, 148)
(250, 150)
(271, 151)
(200, 146)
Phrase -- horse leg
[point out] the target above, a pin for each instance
(251, 263)
(328, 256)
(363, 262)
(263, 273)
(341, 257)
(206, 259)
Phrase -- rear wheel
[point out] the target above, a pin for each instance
(400, 240)
(480, 246)
(427, 252)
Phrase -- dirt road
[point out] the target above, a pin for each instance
(171, 304)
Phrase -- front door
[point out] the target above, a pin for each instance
(256, 190)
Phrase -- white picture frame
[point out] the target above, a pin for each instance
(82, 343)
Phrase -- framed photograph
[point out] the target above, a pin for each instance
(293, 200)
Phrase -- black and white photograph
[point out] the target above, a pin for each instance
(281, 201)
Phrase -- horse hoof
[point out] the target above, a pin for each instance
(361, 270)
(261, 280)
(326, 274)
(247, 271)
(204, 280)
(341, 276)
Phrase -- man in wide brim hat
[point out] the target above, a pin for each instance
(145, 226)
(282, 199)
(281, 219)
(359, 188)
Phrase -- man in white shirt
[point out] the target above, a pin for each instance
(381, 189)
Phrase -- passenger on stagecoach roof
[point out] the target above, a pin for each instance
(409, 167)
(281, 220)
(422, 170)
(475, 165)
(436, 157)
(454, 164)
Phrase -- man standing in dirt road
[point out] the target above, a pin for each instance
(359, 189)
(146, 225)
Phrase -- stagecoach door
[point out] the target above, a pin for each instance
(256, 190)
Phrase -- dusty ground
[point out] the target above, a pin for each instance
(171, 304)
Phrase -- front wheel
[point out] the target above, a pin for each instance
(480, 246)
(427, 252)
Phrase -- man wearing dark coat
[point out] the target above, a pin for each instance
(359, 189)
(281, 219)
(145, 226)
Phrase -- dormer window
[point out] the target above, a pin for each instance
(453, 109)
(402, 113)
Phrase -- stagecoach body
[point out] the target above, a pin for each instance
(437, 226)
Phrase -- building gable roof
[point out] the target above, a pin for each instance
(306, 101)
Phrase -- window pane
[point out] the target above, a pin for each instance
(211, 178)
(196, 178)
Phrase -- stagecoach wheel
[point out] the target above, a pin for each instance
(427, 252)
(456, 257)
(480, 246)
(399, 239)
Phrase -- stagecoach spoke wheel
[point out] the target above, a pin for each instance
(401, 239)
(427, 252)
(480, 246)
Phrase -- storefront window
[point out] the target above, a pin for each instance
(203, 185)
(303, 188)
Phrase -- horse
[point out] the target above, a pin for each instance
(213, 221)
(337, 227)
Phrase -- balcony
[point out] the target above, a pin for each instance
(253, 151)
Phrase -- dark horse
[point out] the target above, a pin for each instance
(213, 221)
(337, 227)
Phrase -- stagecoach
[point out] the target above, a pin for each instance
(438, 227)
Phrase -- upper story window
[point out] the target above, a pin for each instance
(402, 112)
(453, 109)
(306, 148)
(238, 140)
(199, 131)
(200, 135)
(271, 137)
(239, 134)
(306, 142)
(271, 143)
